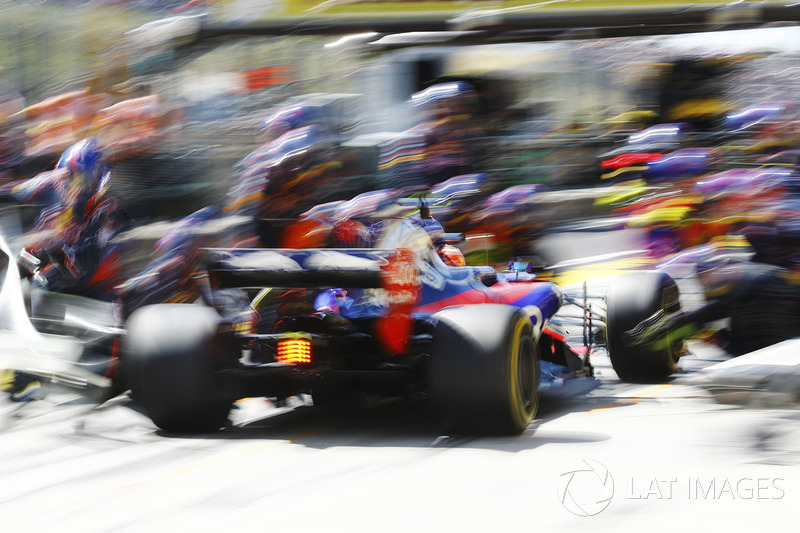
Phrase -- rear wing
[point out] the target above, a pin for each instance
(289, 268)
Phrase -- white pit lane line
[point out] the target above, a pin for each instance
(786, 353)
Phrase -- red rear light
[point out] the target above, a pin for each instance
(294, 351)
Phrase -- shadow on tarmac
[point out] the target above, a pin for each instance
(393, 424)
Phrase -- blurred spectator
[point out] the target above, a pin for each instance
(763, 128)
(12, 129)
(441, 145)
(60, 121)
(129, 128)
(692, 90)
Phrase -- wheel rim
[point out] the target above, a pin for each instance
(523, 376)
(526, 373)
(673, 354)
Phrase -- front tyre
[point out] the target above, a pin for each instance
(485, 369)
(632, 298)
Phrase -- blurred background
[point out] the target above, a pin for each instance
(179, 94)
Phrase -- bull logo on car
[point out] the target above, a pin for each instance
(401, 283)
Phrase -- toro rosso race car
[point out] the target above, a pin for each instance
(392, 319)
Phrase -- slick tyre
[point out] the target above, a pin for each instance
(171, 370)
(630, 299)
(485, 369)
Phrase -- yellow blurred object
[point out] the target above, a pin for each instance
(6, 379)
(699, 107)
(623, 191)
(669, 211)
(729, 241)
(604, 269)
(660, 216)
(622, 171)
(633, 116)
(765, 146)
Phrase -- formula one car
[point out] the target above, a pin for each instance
(750, 288)
(392, 319)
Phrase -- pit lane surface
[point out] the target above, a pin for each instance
(676, 457)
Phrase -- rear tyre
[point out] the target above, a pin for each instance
(630, 299)
(168, 351)
(485, 369)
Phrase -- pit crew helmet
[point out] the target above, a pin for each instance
(84, 165)
(186, 232)
(445, 99)
(287, 119)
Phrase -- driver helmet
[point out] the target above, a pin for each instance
(452, 256)
(84, 166)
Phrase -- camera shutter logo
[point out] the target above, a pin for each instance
(586, 491)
